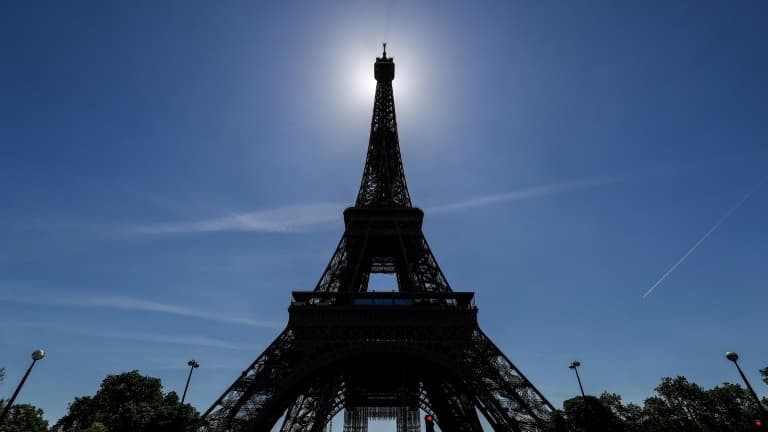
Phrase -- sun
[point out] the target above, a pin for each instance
(359, 85)
(349, 87)
(362, 84)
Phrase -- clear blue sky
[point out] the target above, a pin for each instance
(170, 171)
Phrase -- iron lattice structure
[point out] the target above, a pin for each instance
(381, 355)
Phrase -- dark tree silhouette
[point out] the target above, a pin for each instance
(558, 422)
(129, 402)
(678, 405)
(729, 407)
(589, 414)
(629, 415)
(23, 418)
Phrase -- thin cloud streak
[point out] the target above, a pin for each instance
(311, 217)
(567, 186)
(134, 304)
(702, 239)
(286, 219)
(534, 192)
(139, 337)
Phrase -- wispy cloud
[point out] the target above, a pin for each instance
(486, 200)
(126, 335)
(286, 219)
(310, 217)
(701, 240)
(142, 305)
(577, 184)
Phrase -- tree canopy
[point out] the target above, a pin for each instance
(591, 414)
(129, 402)
(678, 405)
(23, 418)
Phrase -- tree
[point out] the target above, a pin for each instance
(678, 406)
(2, 374)
(590, 414)
(630, 416)
(129, 402)
(731, 408)
(23, 418)
(95, 427)
(684, 406)
(557, 422)
(764, 373)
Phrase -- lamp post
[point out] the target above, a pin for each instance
(574, 365)
(192, 366)
(36, 355)
(734, 357)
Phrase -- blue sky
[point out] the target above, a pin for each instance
(170, 171)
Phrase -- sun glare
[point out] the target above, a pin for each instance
(351, 87)
(358, 85)
(362, 84)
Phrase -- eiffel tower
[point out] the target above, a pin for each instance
(381, 355)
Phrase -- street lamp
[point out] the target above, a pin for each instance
(192, 366)
(574, 365)
(734, 357)
(36, 355)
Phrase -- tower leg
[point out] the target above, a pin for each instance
(312, 409)
(505, 396)
(253, 402)
(454, 410)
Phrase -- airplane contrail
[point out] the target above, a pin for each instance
(704, 237)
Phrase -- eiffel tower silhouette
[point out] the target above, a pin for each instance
(381, 355)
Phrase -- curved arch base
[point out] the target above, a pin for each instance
(371, 360)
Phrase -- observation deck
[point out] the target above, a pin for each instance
(451, 300)
(386, 309)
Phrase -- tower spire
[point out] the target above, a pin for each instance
(383, 183)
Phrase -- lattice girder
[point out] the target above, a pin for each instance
(434, 344)
(383, 241)
(383, 183)
(312, 410)
(506, 397)
(454, 410)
